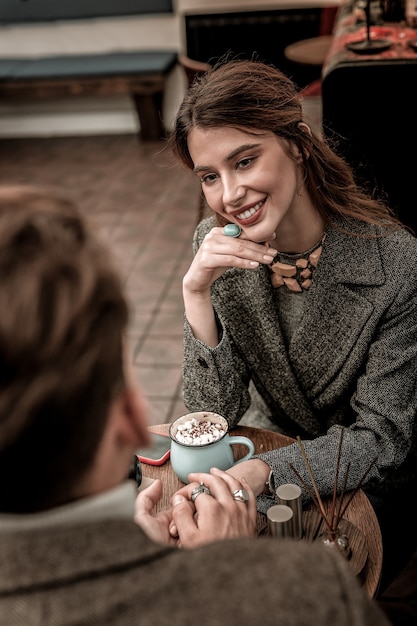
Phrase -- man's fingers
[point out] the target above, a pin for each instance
(147, 498)
(183, 511)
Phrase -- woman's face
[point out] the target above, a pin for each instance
(249, 179)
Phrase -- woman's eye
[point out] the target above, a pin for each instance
(246, 162)
(208, 178)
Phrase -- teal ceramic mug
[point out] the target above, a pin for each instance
(200, 441)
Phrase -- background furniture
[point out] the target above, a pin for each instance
(192, 69)
(141, 75)
(39, 10)
(311, 53)
(359, 512)
(251, 30)
(368, 109)
(75, 56)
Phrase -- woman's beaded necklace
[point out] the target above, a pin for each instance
(295, 271)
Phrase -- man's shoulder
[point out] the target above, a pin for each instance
(236, 581)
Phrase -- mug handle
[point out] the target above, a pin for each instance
(246, 442)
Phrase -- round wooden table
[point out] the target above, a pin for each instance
(359, 512)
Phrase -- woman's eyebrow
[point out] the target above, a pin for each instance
(246, 146)
(201, 168)
(232, 155)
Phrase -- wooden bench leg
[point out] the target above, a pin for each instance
(149, 111)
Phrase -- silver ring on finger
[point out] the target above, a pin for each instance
(240, 495)
(232, 230)
(199, 490)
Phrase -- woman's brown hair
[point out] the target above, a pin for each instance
(257, 97)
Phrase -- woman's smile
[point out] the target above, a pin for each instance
(245, 216)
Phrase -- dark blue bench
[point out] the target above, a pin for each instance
(139, 74)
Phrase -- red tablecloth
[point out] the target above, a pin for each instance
(350, 28)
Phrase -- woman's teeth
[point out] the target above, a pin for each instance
(246, 214)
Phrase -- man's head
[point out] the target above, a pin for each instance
(62, 320)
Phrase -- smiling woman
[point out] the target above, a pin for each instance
(306, 304)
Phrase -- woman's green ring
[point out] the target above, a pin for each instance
(232, 230)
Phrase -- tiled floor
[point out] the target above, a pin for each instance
(145, 207)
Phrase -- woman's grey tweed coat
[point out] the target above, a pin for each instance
(351, 361)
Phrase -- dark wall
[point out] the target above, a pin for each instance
(13, 11)
(263, 34)
(369, 114)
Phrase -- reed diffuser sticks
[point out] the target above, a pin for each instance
(332, 518)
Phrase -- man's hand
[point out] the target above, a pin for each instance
(155, 526)
(212, 517)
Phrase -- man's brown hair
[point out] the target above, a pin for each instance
(62, 318)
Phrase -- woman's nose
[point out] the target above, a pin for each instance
(233, 192)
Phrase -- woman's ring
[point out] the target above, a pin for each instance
(240, 495)
(199, 490)
(232, 230)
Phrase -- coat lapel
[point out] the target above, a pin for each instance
(336, 309)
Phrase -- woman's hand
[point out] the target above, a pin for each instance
(219, 252)
(255, 471)
(212, 517)
(216, 253)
